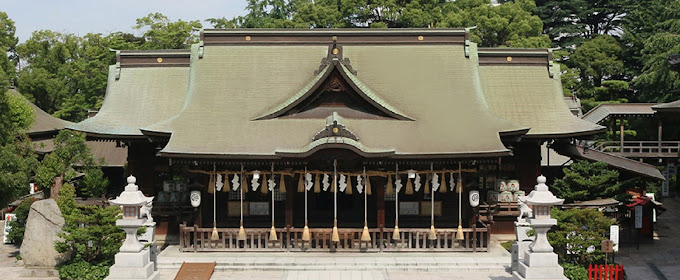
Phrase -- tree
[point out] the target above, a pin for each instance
(584, 180)
(596, 60)
(161, 33)
(8, 44)
(91, 234)
(577, 238)
(57, 167)
(16, 235)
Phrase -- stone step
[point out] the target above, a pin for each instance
(351, 268)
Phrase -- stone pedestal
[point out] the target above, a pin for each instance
(133, 266)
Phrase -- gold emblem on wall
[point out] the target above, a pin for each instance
(159, 60)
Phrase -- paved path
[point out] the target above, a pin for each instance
(342, 275)
(9, 268)
(661, 259)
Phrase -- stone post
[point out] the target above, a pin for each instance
(134, 260)
(539, 261)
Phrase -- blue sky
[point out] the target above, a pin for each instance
(96, 16)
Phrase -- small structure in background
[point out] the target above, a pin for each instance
(539, 261)
(134, 259)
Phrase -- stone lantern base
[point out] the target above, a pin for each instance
(133, 266)
(539, 266)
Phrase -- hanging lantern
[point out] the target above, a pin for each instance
(474, 198)
(195, 198)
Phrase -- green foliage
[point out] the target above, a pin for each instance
(597, 59)
(575, 272)
(18, 225)
(584, 180)
(90, 234)
(69, 150)
(8, 44)
(576, 231)
(161, 33)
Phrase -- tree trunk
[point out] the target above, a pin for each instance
(56, 186)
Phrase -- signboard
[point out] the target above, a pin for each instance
(672, 169)
(664, 188)
(607, 246)
(638, 216)
(425, 207)
(259, 208)
(614, 236)
(8, 219)
(409, 208)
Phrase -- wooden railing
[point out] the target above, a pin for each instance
(641, 148)
(195, 239)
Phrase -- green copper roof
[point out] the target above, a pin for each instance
(231, 86)
(528, 95)
(44, 124)
(140, 97)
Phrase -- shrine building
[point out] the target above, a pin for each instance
(333, 139)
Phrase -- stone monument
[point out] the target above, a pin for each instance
(134, 259)
(539, 260)
(37, 250)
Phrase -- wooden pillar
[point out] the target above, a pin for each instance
(527, 164)
(621, 136)
(660, 133)
(378, 184)
(290, 196)
(141, 159)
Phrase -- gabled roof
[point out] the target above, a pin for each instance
(602, 111)
(670, 107)
(44, 125)
(523, 86)
(144, 87)
(239, 76)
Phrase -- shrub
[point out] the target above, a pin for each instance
(575, 272)
(18, 225)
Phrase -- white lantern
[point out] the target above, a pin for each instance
(474, 198)
(195, 197)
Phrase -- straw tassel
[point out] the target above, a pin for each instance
(365, 236)
(433, 233)
(317, 186)
(459, 233)
(390, 186)
(211, 184)
(348, 189)
(368, 185)
(428, 184)
(264, 189)
(335, 237)
(241, 231)
(409, 186)
(395, 233)
(244, 186)
(272, 234)
(301, 184)
(282, 185)
(442, 186)
(306, 236)
(215, 236)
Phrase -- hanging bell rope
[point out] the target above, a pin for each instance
(365, 235)
(433, 232)
(272, 232)
(395, 233)
(214, 236)
(335, 236)
(305, 232)
(459, 189)
(241, 231)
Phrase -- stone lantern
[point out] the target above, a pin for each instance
(540, 262)
(133, 261)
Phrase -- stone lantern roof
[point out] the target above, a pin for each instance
(132, 196)
(541, 195)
